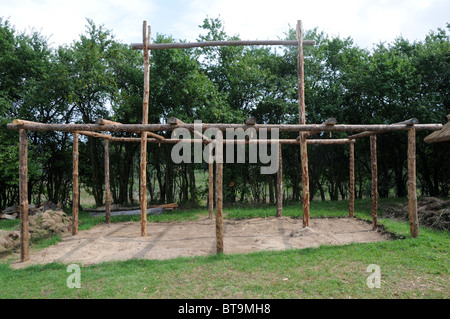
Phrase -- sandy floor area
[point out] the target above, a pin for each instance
(122, 241)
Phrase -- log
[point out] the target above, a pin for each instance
(143, 184)
(351, 210)
(407, 123)
(412, 193)
(101, 121)
(280, 183)
(188, 45)
(329, 141)
(373, 157)
(302, 120)
(300, 75)
(94, 134)
(107, 185)
(132, 128)
(143, 173)
(219, 203)
(305, 179)
(75, 185)
(23, 196)
(234, 141)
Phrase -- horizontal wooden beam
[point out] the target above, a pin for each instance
(94, 134)
(412, 121)
(188, 45)
(101, 121)
(235, 141)
(167, 127)
(329, 141)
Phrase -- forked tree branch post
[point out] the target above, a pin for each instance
(280, 183)
(146, 34)
(412, 193)
(373, 157)
(211, 188)
(75, 185)
(351, 210)
(23, 193)
(107, 185)
(302, 120)
(219, 205)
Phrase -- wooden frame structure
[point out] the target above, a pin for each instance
(149, 135)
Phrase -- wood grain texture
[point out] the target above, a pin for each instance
(373, 157)
(412, 192)
(75, 185)
(23, 196)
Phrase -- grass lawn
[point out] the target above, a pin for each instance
(410, 268)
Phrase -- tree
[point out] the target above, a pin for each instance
(92, 87)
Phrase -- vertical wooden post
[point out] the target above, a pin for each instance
(219, 199)
(302, 120)
(373, 156)
(23, 193)
(143, 186)
(412, 194)
(351, 210)
(75, 186)
(211, 188)
(107, 185)
(280, 183)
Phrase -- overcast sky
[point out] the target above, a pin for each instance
(366, 21)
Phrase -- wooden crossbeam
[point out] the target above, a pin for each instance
(94, 134)
(101, 121)
(377, 128)
(188, 45)
(412, 121)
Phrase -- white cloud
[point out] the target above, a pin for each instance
(65, 20)
(366, 21)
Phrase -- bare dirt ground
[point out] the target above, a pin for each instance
(122, 241)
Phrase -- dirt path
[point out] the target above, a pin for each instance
(122, 241)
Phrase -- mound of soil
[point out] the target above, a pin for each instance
(433, 212)
(45, 224)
